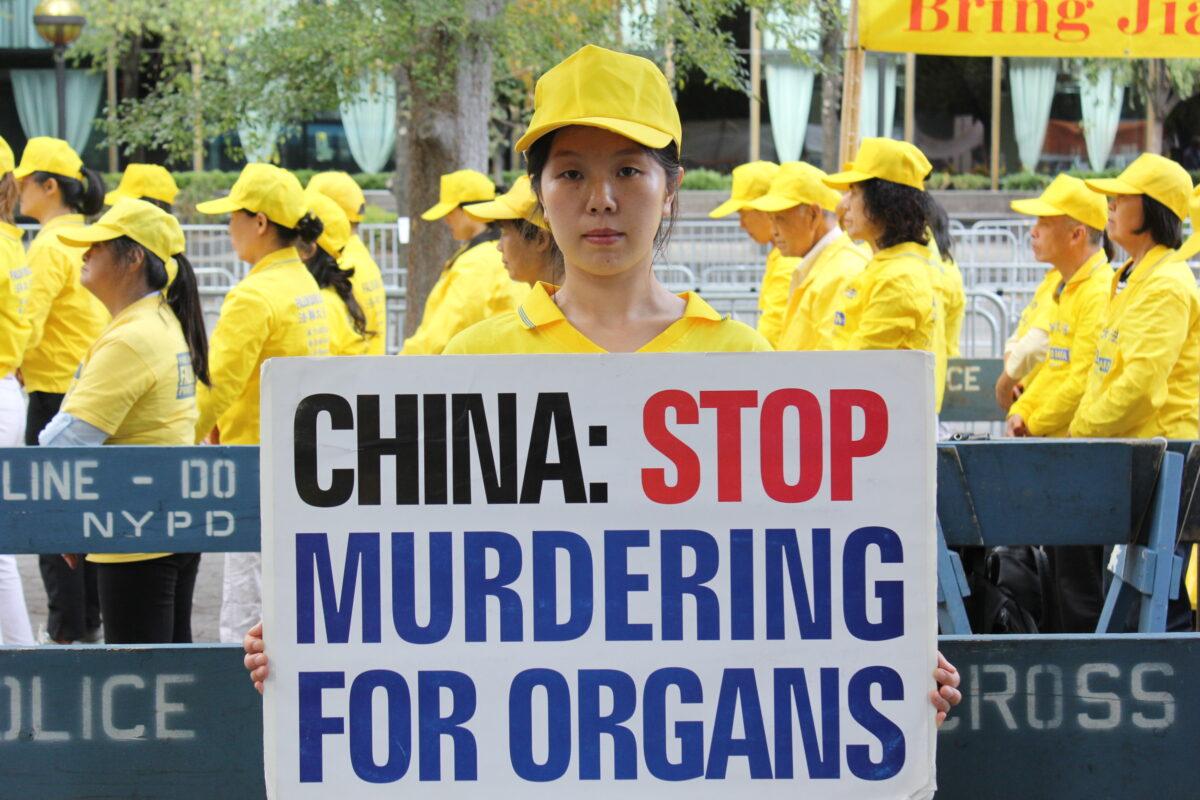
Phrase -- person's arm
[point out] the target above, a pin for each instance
(1058, 391)
(895, 310)
(65, 430)
(234, 350)
(50, 274)
(955, 310)
(439, 324)
(1153, 331)
(114, 378)
(1026, 353)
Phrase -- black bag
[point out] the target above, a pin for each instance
(1007, 594)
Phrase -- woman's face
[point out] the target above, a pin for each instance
(247, 231)
(103, 274)
(1125, 218)
(523, 258)
(604, 198)
(38, 199)
(852, 211)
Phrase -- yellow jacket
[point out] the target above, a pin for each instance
(808, 323)
(954, 305)
(773, 294)
(369, 291)
(1050, 400)
(275, 311)
(15, 279)
(343, 339)
(474, 286)
(1146, 378)
(1035, 315)
(538, 326)
(64, 317)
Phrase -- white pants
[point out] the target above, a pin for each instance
(14, 618)
(241, 596)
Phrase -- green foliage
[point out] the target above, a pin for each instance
(705, 180)
(1025, 182)
(374, 214)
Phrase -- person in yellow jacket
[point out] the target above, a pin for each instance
(473, 285)
(803, 225)
(275, 311)
(1025, 350)
(367, 280)
(529, 252)
(1068, 235)
(137, 386)
(1145, 381)
(892, 304)
(750, 182)
(1191, 248)
(952, 294)
(64, 320)
(348, 334)
(148, 182)
(14, 332)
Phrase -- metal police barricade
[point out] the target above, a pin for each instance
(182, 721)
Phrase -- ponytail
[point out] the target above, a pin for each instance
(308, 229)
(81, 196)
(326, 272)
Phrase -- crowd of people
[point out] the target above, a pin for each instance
(103, 341)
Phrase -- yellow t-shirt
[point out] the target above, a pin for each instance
(369, 291)
(473, 287)
(15, 279)
(539, 326)
(136, 384)
(1050, 400)
(773, 294)
(275, 311)
(808, 324)
(343, 339)
(64, 317)
(1145, 380)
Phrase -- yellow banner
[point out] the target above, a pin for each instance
(1052, 28)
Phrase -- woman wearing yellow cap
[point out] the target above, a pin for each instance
(474, 285)
(14, 332)
(528, 249)
(1145, 381)
(64, 320)
(367, 279)
(148, 182)
(275, 311)
(348, 333)
(136, 385)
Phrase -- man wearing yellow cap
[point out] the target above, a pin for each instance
(1068, 235)
(750, 182)
(148, 182)
(892, 304)
(804, 227)
(474, 285)
(367, 280)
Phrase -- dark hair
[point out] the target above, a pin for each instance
(1161, 223)
(1100, 238)
(667, 158)
(903, 212)
(530, 233)
(84, 197)
(183, 297)
(308, 229)
(939, 223)
(10, 193)
(163, 204)
(326, 272)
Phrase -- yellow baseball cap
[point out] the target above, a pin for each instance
(337, 227)
(1067, 197)
(44, 154)
(1154, 176)
(7, 159)
(887, 160)
(598, 88)
(262, 189)
(1191, 248)
(519, 202)
(750, 182)
(144, 180)
(797, 183)
(457, 188)
(343, 190)
(145, 223)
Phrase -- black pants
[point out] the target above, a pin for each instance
(73, 604)
(148, 602)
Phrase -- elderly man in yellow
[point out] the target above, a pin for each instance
(1068, 234)
(750, 182)
(367, 280)
(892, 304)
(804, 227)
(474, 285)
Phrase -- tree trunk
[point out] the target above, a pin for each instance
(831, 87)
(448, 130)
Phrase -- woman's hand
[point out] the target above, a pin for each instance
(256, 657)
(945, 697)
(71, 559)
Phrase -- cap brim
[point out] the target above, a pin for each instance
(116, 195)
(728, 207)
(773, 203)
(222, 205)
(844, 180)
(491, 210)
(20, 172)
(89, 235)
(642, 134)
(1036, 207)
(438, 211)
(1112, 186)
(1191, 248)
(357, 216)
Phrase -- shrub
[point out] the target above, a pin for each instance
(705, 180)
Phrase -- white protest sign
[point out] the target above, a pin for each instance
(645, 576)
